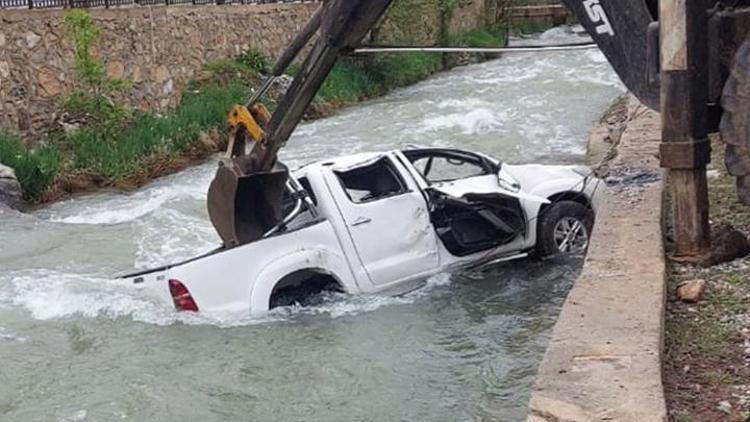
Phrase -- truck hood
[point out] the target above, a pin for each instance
(532, 175)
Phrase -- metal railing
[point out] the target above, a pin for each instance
(87, 4)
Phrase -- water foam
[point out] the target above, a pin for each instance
(108, 209)
(185, 237)
(50, 295)
(478, 120)
(5, 335)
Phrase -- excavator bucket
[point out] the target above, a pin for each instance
(243, 207)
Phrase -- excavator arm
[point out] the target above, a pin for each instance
(245, 198)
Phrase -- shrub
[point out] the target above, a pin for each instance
(254, 60)
(91, 101)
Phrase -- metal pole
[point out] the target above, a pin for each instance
(685, 149)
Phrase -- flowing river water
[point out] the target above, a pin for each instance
(76, 345)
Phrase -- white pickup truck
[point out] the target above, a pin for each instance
(384, 222)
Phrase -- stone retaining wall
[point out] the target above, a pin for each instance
(549, 14)
(157, 49)
(423, 22)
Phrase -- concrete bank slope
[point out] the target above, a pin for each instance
(603, 361)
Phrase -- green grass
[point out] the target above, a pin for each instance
(348, 82)
(120, 149)
(118, 155)
(35, 168)
(355, 79)
(480, 39)
(398, 70)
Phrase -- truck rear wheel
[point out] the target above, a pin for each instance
(301, 288)
(564, 228)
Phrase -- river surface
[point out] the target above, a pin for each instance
(76, 345)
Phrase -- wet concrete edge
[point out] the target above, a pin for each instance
(603, 361)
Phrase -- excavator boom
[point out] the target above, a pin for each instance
(244, 199)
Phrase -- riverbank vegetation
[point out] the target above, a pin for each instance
(100, 142)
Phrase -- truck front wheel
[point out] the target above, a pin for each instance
(564, 228)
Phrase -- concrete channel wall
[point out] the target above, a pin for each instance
(548, 14)
(603, 362)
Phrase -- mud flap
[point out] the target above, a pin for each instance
(242, 207)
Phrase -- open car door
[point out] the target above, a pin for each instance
(468, 208)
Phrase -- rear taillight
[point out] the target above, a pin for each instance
(181, 296)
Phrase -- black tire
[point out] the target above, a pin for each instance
(552, 216)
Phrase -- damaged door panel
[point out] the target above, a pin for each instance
(387, 219)
(466, 220)
(476, 223)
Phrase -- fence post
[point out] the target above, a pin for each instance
(31, 4)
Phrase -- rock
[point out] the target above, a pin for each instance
(115, 70)
(168, 87)
(208, 142)
(49, 85)
(161, 74)
(691, 290)
(10, 190)
(4, 69)
(2, 39)
(728, 244)
(30, 40)
(136, 75)
(725, 407)
(69, 128)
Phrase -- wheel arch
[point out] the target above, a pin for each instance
(297, 268)
(574, 196)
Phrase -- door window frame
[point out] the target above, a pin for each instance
(392, 170)
(483, 162)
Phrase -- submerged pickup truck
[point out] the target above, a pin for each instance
(383, 223)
